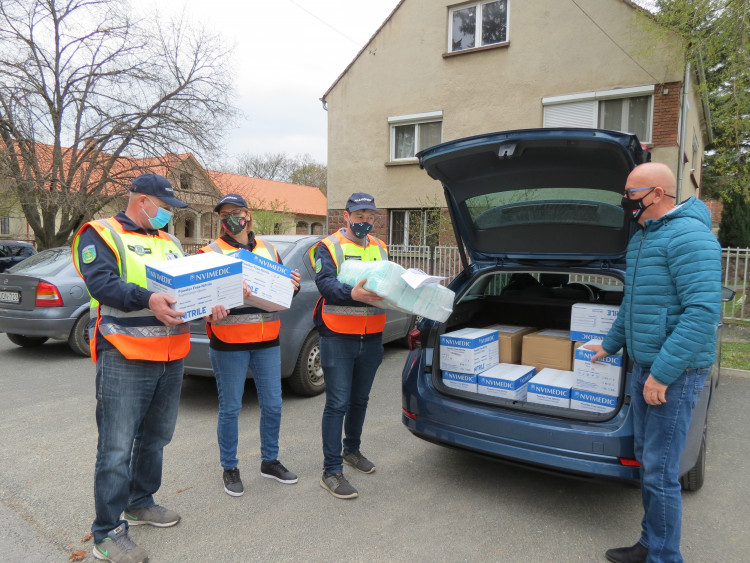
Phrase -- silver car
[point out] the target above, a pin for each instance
(43, 297)
(300, 353)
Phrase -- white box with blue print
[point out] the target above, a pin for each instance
(602, 376)
(505, 380)
(469, 350)
(462, 381)
(583, 400)
(269, 281)
(591, 321)
(550, 387)
(198, 282)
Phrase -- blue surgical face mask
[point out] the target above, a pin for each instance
(161, 219)
(361, 230)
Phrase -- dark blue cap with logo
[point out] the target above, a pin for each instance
(157, 186)
(360, 200)
(235, 199)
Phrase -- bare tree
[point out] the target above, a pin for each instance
(86, 93)
(299, 169)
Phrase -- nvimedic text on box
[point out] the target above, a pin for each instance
(269, 282)
(198, 282)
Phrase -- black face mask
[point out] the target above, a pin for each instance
(234, 225)
(634, 208)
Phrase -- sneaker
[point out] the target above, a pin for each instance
(276, 470)
(155, 515)
(232, 483)
(338, 486)
(119, 548)
(637, 553)
(359, 462)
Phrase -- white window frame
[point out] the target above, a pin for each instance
(412, 119)
(477, 28)
(593, 98)
(407, 212)
(4, 225)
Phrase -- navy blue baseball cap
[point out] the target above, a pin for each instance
(157, 186)
(236, 199)
(360, 200)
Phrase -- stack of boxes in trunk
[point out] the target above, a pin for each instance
(549, 367)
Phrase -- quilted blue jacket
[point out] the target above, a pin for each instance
(671, 308)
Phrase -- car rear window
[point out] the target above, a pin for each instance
(45, 263)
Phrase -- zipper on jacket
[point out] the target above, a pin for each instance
(632, 291)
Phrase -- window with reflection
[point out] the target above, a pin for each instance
(478, 25)
(413, 133)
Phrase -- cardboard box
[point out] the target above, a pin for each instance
(469, 350)
(510, 341)
(550, 387)
(593, 402)
(198, 282)
(602, 376)
(548, 349)
(589, 321)
(505, 380)
(462, 381)
(269, 281)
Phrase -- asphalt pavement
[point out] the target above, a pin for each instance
(423, 503)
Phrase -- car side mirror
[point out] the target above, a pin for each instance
(727, 294)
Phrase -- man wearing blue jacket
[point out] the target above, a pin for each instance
(668, 320)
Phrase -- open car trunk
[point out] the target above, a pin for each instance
(542, 301)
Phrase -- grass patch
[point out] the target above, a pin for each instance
(735, 355)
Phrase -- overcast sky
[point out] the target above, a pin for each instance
(287, 53)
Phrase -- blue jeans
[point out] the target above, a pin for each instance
(136, 412)
(660, 438)
(230, 370)
(349, 366)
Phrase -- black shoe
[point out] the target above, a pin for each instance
(359, 462)
(337, 485)
(233, 483)
(276, 470)
(634, 554)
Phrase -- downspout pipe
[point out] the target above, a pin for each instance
(683, 132)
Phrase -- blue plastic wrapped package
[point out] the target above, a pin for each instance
(432, 301)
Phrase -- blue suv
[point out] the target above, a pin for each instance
(538, 221)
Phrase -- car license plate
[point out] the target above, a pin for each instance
(10, 297)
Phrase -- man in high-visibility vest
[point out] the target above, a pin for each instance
(138, 343)
(246, 337)
(351, 342)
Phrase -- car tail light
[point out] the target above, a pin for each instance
(629, 462)
(47, 295)
(409, 414)
(414, 338)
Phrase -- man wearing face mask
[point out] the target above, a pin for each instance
(351, 342)
(668, 320)
(241, 338)
(138, 343)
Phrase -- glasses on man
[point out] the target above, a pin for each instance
(234, 213)
(628, 193)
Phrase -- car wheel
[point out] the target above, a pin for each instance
(307, 378)
(79, 336)
(27, 341)
(693, 479)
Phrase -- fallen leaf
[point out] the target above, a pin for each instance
(79, 555)
(183, 490)
(87, 537)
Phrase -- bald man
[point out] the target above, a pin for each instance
(668, 320)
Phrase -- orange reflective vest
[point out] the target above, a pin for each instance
(242, 328)
(351, 319)
(137, 335)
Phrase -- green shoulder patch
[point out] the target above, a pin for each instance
(88, 254)
(318, 266)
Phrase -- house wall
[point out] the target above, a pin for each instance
(554, 49)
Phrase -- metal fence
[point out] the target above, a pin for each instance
(445, 261)
(735, 264)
